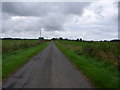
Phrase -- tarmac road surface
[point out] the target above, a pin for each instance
(48, 69)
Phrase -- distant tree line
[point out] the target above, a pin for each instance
(17, 39)
(78, 39)
(115, 40)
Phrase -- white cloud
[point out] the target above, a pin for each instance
(99, 21)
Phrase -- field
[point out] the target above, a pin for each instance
(97, 60)
(13, 45)
(17, 52)
(104, 51)
(0, 60)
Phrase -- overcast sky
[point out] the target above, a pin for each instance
(87, 20)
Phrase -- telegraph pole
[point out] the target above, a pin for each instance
(40, 33)
(40, 37)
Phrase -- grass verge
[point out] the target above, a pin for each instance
(12, 61)
(100, 74)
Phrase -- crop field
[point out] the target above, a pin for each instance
(97, 60)
(16, 52)
(13, 45)
(105, 51)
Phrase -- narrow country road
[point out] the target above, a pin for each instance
(48, 69)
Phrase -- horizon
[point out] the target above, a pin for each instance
(7, 38)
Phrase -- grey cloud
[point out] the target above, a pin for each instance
(21, 25)
(41, 9)
(74, 8)
(5, 16)
(25, 9)
(0, 18)
(53, 14)
(53, 22)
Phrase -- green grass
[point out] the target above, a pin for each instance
(0, 67)
(13, 45)
(104, 51)
(0, 60)
(13, 60)
(100, 74)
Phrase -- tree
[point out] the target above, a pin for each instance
(60, 38)
(54, 39)
(65, 39)
(81, 39)
(42, 38)
(77, 40)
